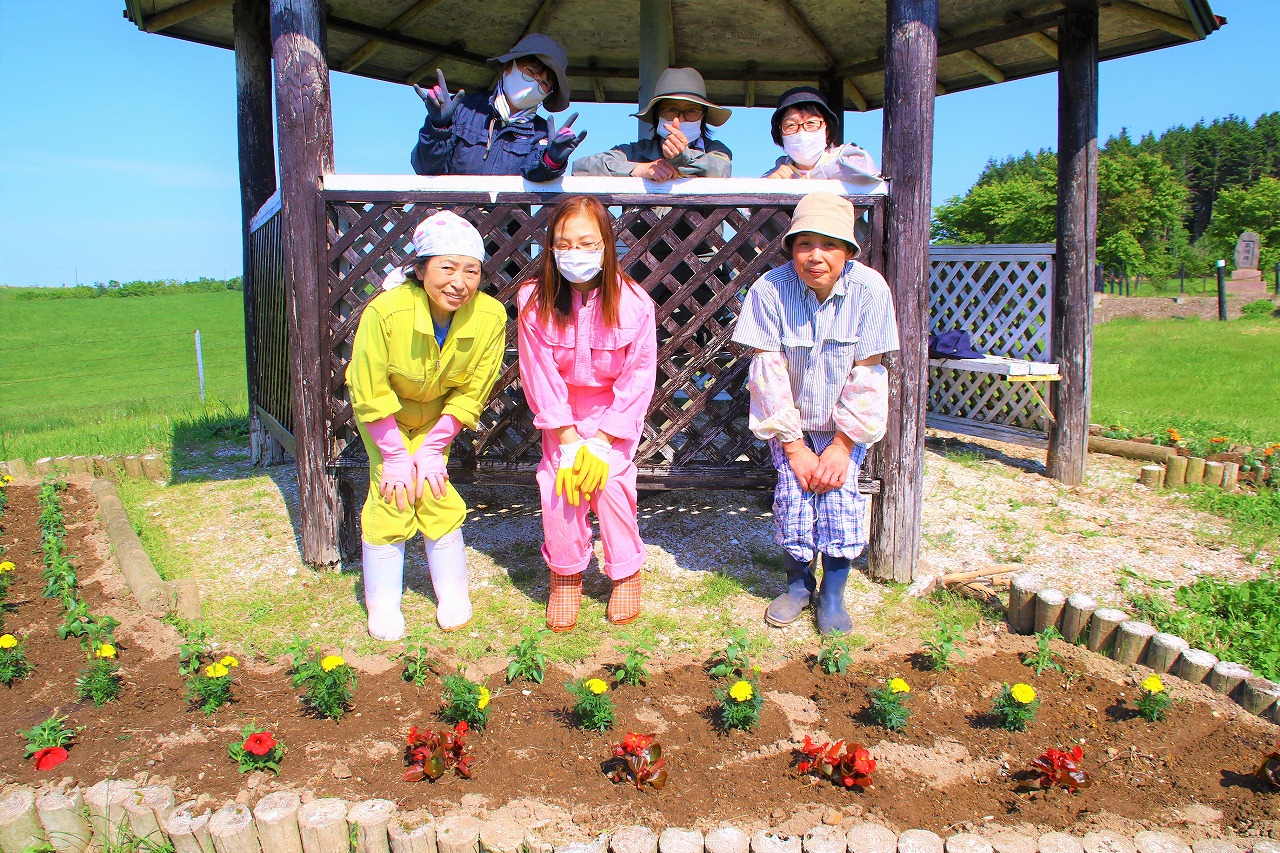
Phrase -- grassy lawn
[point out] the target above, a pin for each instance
(111, 376)
(1204, 378)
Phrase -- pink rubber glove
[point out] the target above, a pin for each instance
(428, 459)
(397, 466)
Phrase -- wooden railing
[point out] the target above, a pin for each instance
(695, 247)
(269, 335)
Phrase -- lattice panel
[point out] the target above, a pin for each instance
(695, 255)
(270, 299)
(987, 398)
(1004, 303)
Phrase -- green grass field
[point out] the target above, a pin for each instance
(1203, 378)
(111, 376)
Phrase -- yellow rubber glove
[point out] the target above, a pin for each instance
(567, 476)
(592, 465)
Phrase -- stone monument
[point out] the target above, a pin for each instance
(1246, 279)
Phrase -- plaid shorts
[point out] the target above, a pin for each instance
(834, 523)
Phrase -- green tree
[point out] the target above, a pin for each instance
(1140, 209)
(1255, 208)
(1018, 210)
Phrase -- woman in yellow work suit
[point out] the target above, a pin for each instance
(425, 357)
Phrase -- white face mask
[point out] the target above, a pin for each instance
(805, 147)
(691, 129)
(579, 265)
(521, 91)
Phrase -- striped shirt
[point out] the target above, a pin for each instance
(820, 340)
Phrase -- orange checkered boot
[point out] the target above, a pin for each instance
(564, 601)
(624, 600)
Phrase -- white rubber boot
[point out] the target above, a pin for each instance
(383, 587)
(447, 559)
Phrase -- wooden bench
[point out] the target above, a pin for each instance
(1026, 374)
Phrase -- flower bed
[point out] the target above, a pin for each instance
(950, 764)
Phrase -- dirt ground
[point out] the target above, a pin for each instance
(951, 769)
(1164, 307)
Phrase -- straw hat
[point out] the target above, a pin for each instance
(683, 84)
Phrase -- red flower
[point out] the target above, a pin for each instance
(49, 757)
(260, 743)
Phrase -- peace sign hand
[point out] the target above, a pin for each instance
(560, 143)
(440, 104)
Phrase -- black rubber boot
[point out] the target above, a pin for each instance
(831, 613)
(801, 583)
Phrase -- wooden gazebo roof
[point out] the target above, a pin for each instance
(749, 51)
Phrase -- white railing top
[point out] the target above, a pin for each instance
(495, 184)
(269, 209)
(993, 250)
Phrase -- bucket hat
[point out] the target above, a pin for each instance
(827, 214)
(684, 84)
(553, 55)
(806, 95)
(953, 343)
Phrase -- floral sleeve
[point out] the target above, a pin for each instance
(773, 409)
(862, 410)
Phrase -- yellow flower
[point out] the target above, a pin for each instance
(216, 670)
(8, 641)
(1023, 694)
(106, 650)
(484, 698)
(229, 661)
(596, 686)
(742, 691)
(6, 566)
(1153, 684)
(899, 686)
(6, 479)
(331, 662)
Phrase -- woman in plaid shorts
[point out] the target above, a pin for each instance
(820, 397)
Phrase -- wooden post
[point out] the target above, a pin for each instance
(1102, 629)
(189, 831)
(232, 830)
(1194, 665)
(911, 71)
(1049, 605)
(458, 834)
(1164, 651)
(1230, 476)
(1077, 223)
(147, 809)
(276, 816)
(1175, 471)
(420, 839)
(1226, 676)
(1151, 476)
(1195, 470)
(1212, 473)
(1132, 639)
(323, 826)
(106, 811)
(1022, 602)
(305, 131)
(370, 819)
(64, 821)
(19, 824)
(656, 48)
(1076, 614)
(1259, 695)
(252, 34)
(832, 88)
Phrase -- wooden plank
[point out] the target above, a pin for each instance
(278, 430)
(305, 132)
(1156, 18)
(994, 432)
(911, 67)
(1077, 221)
(181, 12)
(365, 52)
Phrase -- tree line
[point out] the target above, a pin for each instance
(116, 289)
(1180, 198)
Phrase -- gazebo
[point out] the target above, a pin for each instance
(316, 242)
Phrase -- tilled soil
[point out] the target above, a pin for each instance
(952, 766)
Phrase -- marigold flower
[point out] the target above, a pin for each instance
(742, 691)
(216, 670)
(8, 641)
(1218, 440)
(1174, 435)
(260, 744)
(229, 661)
(6, 566)
(106, 650)
(1023, 694)
(596, 685)
(49, 757)
(1270, 451)
(6, 479)
(331, 662)
(484, 698)
(1153, 684)
(898, 685)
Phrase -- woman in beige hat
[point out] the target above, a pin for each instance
(680, 146)
(820, 397)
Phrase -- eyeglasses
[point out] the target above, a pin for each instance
(789, 128)
(536, 71)
(581, 247)
(689, 114)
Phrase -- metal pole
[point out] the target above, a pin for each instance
(1182, 279)
(1222, 290)
(200, 365)
(1278, 279)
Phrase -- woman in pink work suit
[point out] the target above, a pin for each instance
(588, 359)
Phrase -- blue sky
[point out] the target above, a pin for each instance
(118, 149)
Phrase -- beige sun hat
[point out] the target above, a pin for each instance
(683, 84)
(827, 214)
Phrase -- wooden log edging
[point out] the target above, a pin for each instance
(151, 466)
(1110, 632)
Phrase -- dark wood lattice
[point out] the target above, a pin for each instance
(271, 323)
(696, 255)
